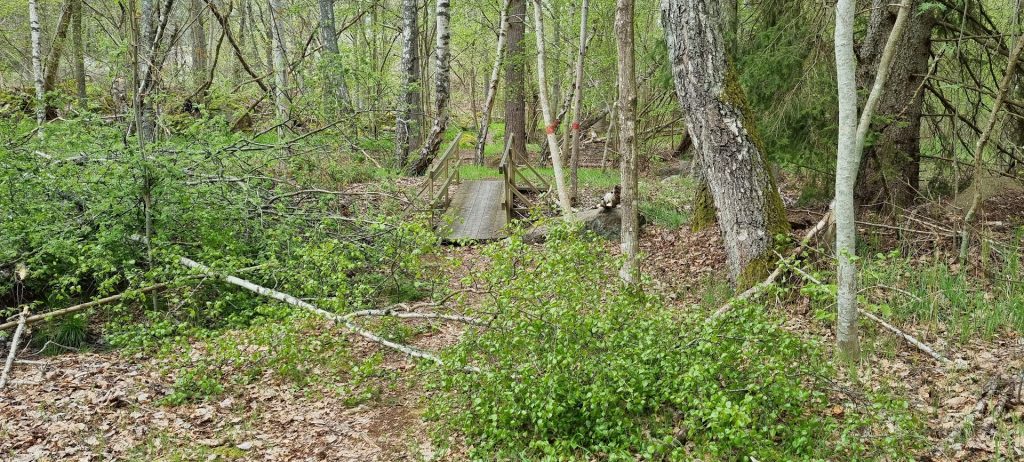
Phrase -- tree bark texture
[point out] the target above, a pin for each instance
(846, 177)
(442, 89)
(630, 272)
(515, 80)
(37, 60)
(749, 208)
(409, 117)
(492, 85)
(891, 168)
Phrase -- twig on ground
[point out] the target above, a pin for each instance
(14, 347)
(979, 408)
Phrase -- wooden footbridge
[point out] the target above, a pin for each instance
(478, 210)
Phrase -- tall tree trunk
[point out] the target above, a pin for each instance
(577, 92)
(627, 136)
(78, 51)
(280, 62)
(442, 84)
(37, 62)
(410, 114)
(335, 74)
(52, 65)
(550, 123)
(891, 169)
(492, 85)
(846, 176)
(749, 208)
(515, 80)
(850, 146)
(200, 57)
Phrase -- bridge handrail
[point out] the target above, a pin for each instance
(442, 166)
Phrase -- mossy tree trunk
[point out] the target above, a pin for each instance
(749, 209)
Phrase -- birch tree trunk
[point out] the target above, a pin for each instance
(630, 272)
(549, 123)
(37, 62)
(515, 81)
(577, 95)
(200, 61)
(409, 117)
(78, 51)
(334, 71)
(749, 208)
(442, 84)
(850, 145)
(846, 178)
(492, 85)
(280, 62)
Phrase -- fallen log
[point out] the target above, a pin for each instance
(83, 306)
(14, 347)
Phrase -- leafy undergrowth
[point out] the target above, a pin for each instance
(578, 368)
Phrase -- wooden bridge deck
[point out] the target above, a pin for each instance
(476, 211)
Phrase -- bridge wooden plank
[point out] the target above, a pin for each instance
(476, 213)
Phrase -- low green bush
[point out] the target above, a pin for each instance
(578, 367)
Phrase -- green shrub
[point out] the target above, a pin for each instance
(576, 367)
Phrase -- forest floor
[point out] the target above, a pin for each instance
(108, 404)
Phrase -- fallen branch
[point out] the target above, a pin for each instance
(338, 319)
(83, 306)
(414, 315)
(909, 338)
(14, 347)
(761, 286)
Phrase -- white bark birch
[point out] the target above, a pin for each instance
(549, 123)
(442, 90)
(492, 85)
(408, 118)
(37, 62)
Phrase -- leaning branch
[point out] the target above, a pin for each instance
(83, 306)
(14, 347)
